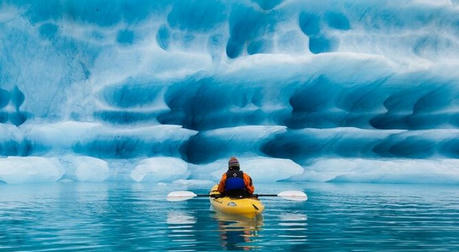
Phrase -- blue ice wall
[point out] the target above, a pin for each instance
(344, 79)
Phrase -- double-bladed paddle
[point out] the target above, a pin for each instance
(186, 195)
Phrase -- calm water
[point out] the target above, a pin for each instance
(120, 217)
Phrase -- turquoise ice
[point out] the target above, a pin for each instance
(355, 91)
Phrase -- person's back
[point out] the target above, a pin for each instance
(234, 182)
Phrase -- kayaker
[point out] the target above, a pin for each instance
(235, 182)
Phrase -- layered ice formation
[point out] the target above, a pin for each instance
(163, 91)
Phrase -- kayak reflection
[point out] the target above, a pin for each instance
(238, 232)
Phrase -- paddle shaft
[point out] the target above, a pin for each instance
(266, 195)
(218, 195)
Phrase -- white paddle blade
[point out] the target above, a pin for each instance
(180, 195)
(293, 195)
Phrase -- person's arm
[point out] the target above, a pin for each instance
(221, 185)
(248, 183)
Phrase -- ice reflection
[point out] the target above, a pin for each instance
(238, 232)
(182, 227)
(294, 227)
(180, 217)
(293, 219)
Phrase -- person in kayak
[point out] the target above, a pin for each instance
(235, 182)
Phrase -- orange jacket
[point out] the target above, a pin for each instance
(247, 181)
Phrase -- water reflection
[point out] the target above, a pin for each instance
(181, 230)
(238, 232)
(293, 217)
(295, 227)
(180, 217)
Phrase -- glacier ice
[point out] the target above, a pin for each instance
(103, 90)
(85, 169)
(18, 170)
(193, 183)
(34, 169)
(271, 169)
(160, 169)
(261, 169)
(210, 145)
(443, 171)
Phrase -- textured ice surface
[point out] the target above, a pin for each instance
(85, 169)
(160, 169)
(32, 169)
(17, 170)
(443, 171)
(199, 81)
(193, 183)
(261, 169)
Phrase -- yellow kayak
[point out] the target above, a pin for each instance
(248, 207)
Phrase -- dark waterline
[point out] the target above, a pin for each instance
(120, 217)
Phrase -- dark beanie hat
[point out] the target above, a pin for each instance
(233, 162)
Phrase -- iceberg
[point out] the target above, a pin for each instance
(443, 171)
(260, 169)
(160, 169)
(19, 170)
(85, 169)
(284, 85)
